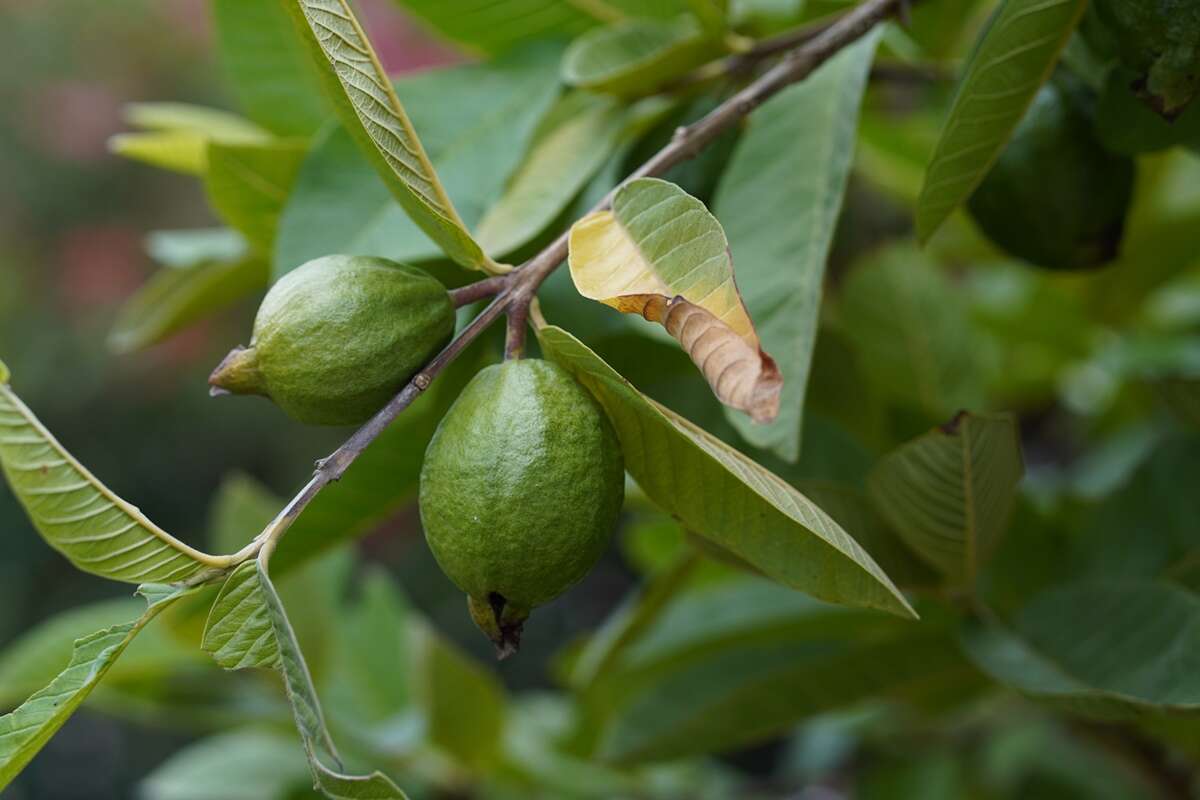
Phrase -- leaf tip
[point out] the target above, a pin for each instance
(4, 374)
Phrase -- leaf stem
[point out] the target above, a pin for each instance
(514, 292)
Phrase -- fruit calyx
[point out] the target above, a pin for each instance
(500, 621)
(238, 373)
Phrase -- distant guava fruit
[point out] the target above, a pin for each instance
(336, 338)
(520, 490)
(1160, 41)
(1056, 197)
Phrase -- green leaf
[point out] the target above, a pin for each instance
(248, 627)
(1102, 648)
(736, 662)
(659, 253)
(1013, 57)
(635, 57)
(26, 730)
(494, 27)
(721, 495)
(177, 135)
(239, 633)
(713, 14)
(573, 142)
(238, 765)
(463, 704)
(175, 298)
(248, 186)
(370, 110)
(272, 76)
(779, 201)
(1182, 396)
(339, 204)
(80, 517)
(949, 492)
(910, 328)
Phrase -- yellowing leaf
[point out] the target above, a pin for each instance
(80, 517)
(661, 254)
(176, 136)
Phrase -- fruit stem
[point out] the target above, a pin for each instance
(518, 321)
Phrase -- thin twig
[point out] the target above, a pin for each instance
(514, 292)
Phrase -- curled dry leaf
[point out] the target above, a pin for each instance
(661, 254)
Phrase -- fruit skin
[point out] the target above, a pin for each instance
(1159, 40)
(337, 337)
(1055, 197)
(520, 491)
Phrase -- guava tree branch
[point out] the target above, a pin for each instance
(513, 292)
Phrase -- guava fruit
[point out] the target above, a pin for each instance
(521, 487)
(337, 337)
(1160, 41)
(1056, 197)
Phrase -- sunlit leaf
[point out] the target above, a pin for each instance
(575, 140)
(339, 205)
(272, 76)
(949, 492)
(176, 135)
(80, 517)
(778, 202)
(1013, 57)
(494, 27)
(174, 298)
(371, 111)
(248, 186)
(26, 730)
(184, 249)
(722, 495)
(636, 56)
(661, 254)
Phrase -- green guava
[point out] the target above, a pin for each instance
(336, 338)
(1160, 41)
(1056, 197)
(520, 490)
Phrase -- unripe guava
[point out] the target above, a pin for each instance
(1160, 41)
(1055, 197)
(520, 490)
(336, 338)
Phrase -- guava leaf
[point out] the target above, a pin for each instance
(371, 111)
(912, 334)
(633, 57)
(661, 254)
(1110, 648)
(713, 14)
(248, 627)
(778, 201)
(949, 493)
(78, 515)
(176, 135)
(25, 731)
(250, 764)
(573, 143)
(723, 496)
(272, 77)
(239, 633)
(340, 205)
(494, 27)
(737, 661)
(1012, 59)
(248, 185)
(174, 298)
(184, 249)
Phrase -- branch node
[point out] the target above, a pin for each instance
(421, 381)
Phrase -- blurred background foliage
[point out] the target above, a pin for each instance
(1102, 370)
